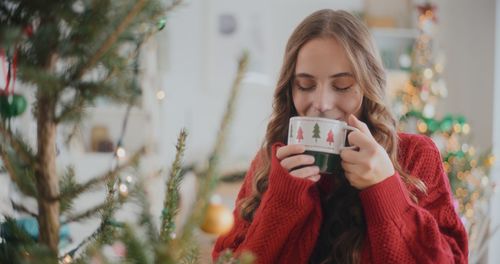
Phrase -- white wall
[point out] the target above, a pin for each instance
(466, 31)
(494, 253)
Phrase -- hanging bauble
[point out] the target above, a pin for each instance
(12, 105)
(218, 220)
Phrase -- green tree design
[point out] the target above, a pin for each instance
(316, 132)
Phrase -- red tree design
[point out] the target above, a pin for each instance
(300, 134)
(329, 137)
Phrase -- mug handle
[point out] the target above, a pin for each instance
(349, 147)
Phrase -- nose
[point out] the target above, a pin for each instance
(324, 99)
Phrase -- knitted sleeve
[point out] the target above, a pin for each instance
(286, 223)
(400, 231)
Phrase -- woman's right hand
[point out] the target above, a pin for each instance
(292, 159)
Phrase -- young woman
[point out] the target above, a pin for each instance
(391, 203)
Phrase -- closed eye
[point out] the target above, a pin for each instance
(309, 88)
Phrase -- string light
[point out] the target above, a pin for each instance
(466, 129)
(120, 152)
(472, 151)
(123, 188)
(490, 161)
(428, 74)
(422, 127)
(129, 179)
(67, 259)
(160, 95)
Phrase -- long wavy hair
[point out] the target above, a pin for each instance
(343, 229)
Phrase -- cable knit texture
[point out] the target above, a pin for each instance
(286, 224)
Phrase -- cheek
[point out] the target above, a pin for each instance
(299, 101)
(351, 104)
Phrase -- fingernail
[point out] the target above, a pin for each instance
(311, 159)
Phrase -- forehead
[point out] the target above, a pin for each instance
(322, 57)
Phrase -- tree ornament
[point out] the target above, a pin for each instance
(12, 105)
(162, 23)
(218, 220)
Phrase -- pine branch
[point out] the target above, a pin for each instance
(227, 257)
(171, 201)
(17, 144)
(191, 254)
(88, 213)
(145, 218)
(8, 165)
(22, 208)
(76, 107)
(210, 177)
(25, 186)
(135, 248)
(92, 237)
(109, 176)
(103, 233)
(139, 5)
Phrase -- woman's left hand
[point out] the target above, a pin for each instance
(370, 164)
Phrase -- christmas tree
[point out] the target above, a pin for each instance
(468, 171)
(73, 53)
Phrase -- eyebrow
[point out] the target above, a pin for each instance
(309, 76)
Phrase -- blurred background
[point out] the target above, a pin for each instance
(187, 70)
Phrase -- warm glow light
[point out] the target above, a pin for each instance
(428, 73)
(67, 259)
(422, 127)
(466, 129)
(160, 95)
(121, 153)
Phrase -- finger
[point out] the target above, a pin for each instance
(296, 161)
(349, 167)
(289, 150)
(314, 178)
(355, 122)
(351, 156)
(359, 139)
(305, 172)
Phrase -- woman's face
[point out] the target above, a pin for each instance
(324, 83)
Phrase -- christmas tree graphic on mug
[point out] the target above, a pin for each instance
(316, 132)
(329, 137)
(300, 134)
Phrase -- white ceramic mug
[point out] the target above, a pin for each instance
(323, 138)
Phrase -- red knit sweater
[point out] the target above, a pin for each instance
(287, 222)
